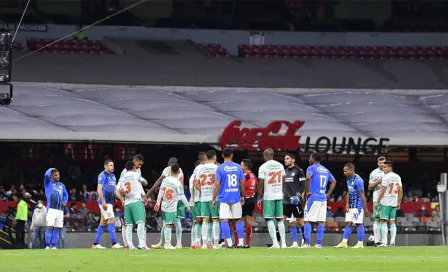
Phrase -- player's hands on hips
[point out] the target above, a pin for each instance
(104, 206)
(157, 207)
(294, 200)
(242, 200)
(259, 204)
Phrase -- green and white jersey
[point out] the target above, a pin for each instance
(272, 172)
(138, 171)
(196, 197)
(172, 190)
(206, 178)
(374, 176)
(167, 173)
(392, 183)
(132, 187)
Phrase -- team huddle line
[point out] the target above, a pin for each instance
(223, 199)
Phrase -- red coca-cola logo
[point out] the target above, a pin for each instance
(261, 138)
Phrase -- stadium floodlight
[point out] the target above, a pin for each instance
(6, 47)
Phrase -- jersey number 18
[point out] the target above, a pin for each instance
(231, 180)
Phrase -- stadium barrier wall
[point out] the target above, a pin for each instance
(84, 240)
(230, 39)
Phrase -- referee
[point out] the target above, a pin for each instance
(292, 200)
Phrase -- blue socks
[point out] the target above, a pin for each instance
(320, 234)
(226, 229)
(113, 236)
(99, 232)
(307, 228)
(361, 233)
(240, 230)
(347, 232)
(221, 234)
(48, 234)
(55, 237)
(293, 231)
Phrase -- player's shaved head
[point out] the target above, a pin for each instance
(106, 162)
(350, 166)
(139, 157)
(175, 169)
(382, 158)
(129, 165)
(211, 154)
(316, 157)
(268, 154)
(202, 156)
(389, 164)
(227, 153)
(172, 161)
(247, 163)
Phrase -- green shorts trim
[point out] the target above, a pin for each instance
(169, 217)
(207, 210)
(135, 213)
(180, 209)
(376, 211)
(273, 209)
(387, 212)
(196, 211)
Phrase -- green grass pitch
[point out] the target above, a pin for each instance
(254, 259)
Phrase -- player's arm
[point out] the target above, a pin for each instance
(64, 195)
(364, 202)
(380, 196)
(197, 184)
(99, 189)
(332, 186)
(400, 196)
(156, 185)
(347, 199)
(47, 176)
(374, 183)
(159, 199)
(118, 194)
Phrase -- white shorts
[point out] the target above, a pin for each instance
(317, 212)
(55, 218)
(354, 216)
(109, 213)
(230, 210)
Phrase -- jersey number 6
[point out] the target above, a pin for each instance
(169, 194)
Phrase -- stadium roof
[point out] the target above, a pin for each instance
(140, 114)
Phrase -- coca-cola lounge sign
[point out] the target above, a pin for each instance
(239, 137)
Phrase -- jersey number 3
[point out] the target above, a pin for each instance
(128, 187)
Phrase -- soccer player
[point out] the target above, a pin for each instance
(138, 162)
(180, 209)
(389, 200)
(229, 190)
(195, 202)
(292, 201)
(317, 178)
(134, 208)
(205, 183)
(375, 186)
(57, 198)
(171, 192)
(355, 208)
(106, 197)
(271, 187)
(251, 183)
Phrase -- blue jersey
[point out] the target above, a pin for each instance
(320, 176)
(109, 182)
(354, 185)
(229, 174)
(55, 192)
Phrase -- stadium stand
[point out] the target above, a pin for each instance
(66, 46)
(350, 52)
(216, 50)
